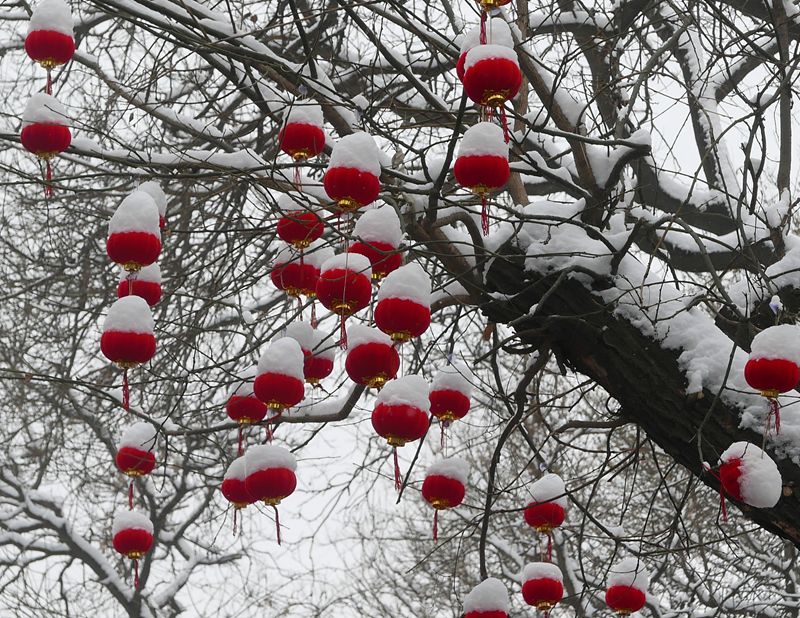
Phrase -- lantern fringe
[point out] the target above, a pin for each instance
(235, 514)
(297, 183)
(504, 122)
(549, 546)
(436, 525)
(48, 175)
(49, 84)
(313, 314)
(774, 412)
(269, 432)
(398, 481)
(241, 440)
(484, 215)
(484, 15)
(135, 574)
(277, 523)
(130, 277)
(342, 333)
(130, 495)
(126, 391)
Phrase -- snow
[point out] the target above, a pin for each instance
(130, 314)
(140, 435)
(268, 456)
(357, 150)
(318, 253)
(379, 225)
(154, 190)
(51, 15)
(497, 33)
(301, 332)
(629, 572)
(136, 213)
(151, 273)
(348, 261)
(292, 202)
(760, 481)
(549, 488)
(541, 570)
(44, 109)
(323, 346)
(237, 470)
(408, 282)
(283, 357)
(454, 378)
(451, 468)
(244, 386)
(284, 256)
(484, 52)
(359, 334)
(489, 595)
(303, 112)
(409, 390)
(781, 341)
(125, 519)
(484, 138)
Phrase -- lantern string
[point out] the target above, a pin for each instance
(269, 432)
(483, 26)
(49, 85)
(235, 513)
(549, 546)
(135, 574)
(442, 441)
(774, 411)
(277, 523)
(398, 481)
(48, 187)
(313, 314)
(297, 182)
(130, 495)
(436, 525)
(130, 277)
(126, 391)
(241, 439)
(484, 215)
(504, 122)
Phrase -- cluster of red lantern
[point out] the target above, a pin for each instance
(378, 238)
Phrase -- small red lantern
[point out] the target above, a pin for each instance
(344, 285)
(319, 364)
(134, 237)
(135, 456)
(372, 359)
(234, 489)
(45, 131)
(491, 75)
(293, 275)
(243, 406)
(497, 33)
(627, 587)
(50, 39)
(547, 509)
(270, 476)
(132, 537)
(482, 163)
(489, 599)
(154, 190)
(403, 310)
(299, 225)
(302, 135)
(145, 284)
(749, 475)
(280, 380)
(380, 235)
(543, 585)
(444, 486)
(450, 393)
(352, 179)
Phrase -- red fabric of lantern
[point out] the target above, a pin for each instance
(45, 140)
(127, 349)
(300, 228)
(449, 405)
(317, 368)
(729, 473)
(133, 542)
(482, 174)
(442, 492)
(382, 256)
(401, 318)
(371, 359)
(134, 236)
(246, 410)
(270, 473)
(491, 75)
(149, 290)
(542, 585)
(401, 410)
(133, 461)
(544, 516)
(279, 383)
(49, 48)
(490, 614)
(293, 276)
(301, 141)
(625, 600)
(233, 485)
(344, 285)
(133, 249)
(352, 179)
(771, 376)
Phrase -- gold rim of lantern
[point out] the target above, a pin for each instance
(132, 267)
(301, 155)
(770, 393)
(494, 98)
(239, 505)
(133, 473)
(275, 405)
(395, 441)
(401, 336)
(135, 555)
(377, 276)
(480, 190)
(47, 155)
(447, 416)
(492, 4)
(126, 364)
(49, 63)
(440, 503)
(547, 528)
(313, 381)
(545, 606)
(348, 204)
(245, 421)
(301, 244)
(376, 382)
(273, 501)
(342, 307)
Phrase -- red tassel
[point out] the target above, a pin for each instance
(441, 436)
(48, 186)
(135, 574)
(49, 85)
(398, 481)
(343, 334)
(549, 547)
(130, 495)
(126, 391)
(504, 122)
(241, 440)
(235, 513)
(436, 525)
(484, 215)
(775, 411)
(277, 524)
(269, 432)
(297, 182)
(130, 277)
(313, 314)
(483, 26)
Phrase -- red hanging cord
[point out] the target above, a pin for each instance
(436, 525)
(277, 523)
(549, 546)
(774, 412)
(48, 186)
(484, 15)
(504, 122)
(241, 439)
(398, 481)
(235, 513)
(135, 574)
(722, 504)
(484, 215)
(126, 391)
(342, 333)
(297, 182)
(313, 314)
(130, 495)
(49, 85)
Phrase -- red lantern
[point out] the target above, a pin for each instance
(372, 359)
(444, 486)
(128, 338)
(146, 284)
(450, 393)
(50, 39)
(627, 587)
(380, 235)
(299, 226)
(45, 132)
(497, 33)
(243, 406)
(135, 455)
(134, 237)
(543, 585)
(154, 190)
(132, 537)
(344, 285)
(352, 179)
(294, 276)
(547, 509)
(403, 310)
(279, 383)
(489, 599)
(302, 136)
(491, 75)
(270, 476)
(319, 364)
(749, 475)
(233, 485)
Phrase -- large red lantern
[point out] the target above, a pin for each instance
(280, 380)
(371, 360)
(297, 276)
(626, 592)
(379, 236)
(497, 32)
(154, 190)
(302, 135)
(489, 599)
(344, 286)
(132, 537)
(450, 393)
(135, 456)
(403, 310)
(352, 179)
(234, 489)
(774, 365)
(542, 585)
(45, 131)
(749, 475)
(50, 39)
(134, 236)
(270, 476)
(482, 163)
(491, 75)
(299, 225)
(444, 486)
(146, 284)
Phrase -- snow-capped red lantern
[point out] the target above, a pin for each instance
(50, 41)
(302, 135)
(379, 236)
(749, 475)
(489, 599)
(542, 585)
(491, 74)
(318, 353)
(547, 508)
(352, 179)
(372, 359)
(270, 476)
(482, 163)
(134, 237)
(626, 591)
(299, 225)
(403, 309)
(444, 486)
(774, 365)
(298, 276)
(450, 393)
(234, 489)
(344, 286)
(280, 380)
(497, 32)
(145, 284)
(243, 406)
(132, 537)
(45, 131)
(154, 190)
(135, 456)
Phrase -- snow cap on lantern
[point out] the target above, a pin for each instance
(403, 309)
(445, 482)
(154, 190)
(371, 359)
(450, 392)
(135, 456)
(482, 162)
(279, 382)
(542, 585)
(134, 236)
(243, 406)
(146, 284)
(50, 40)
(318, 253)
(774, 363)
(296, 277)
(500, 35)
(132, 533)
(45, 126)
(302, 135)
(352, 179)
(749, 475)
(302, 333)
(270, 473)
(344, 285)
(491, 74)
(379, 236)
(489, 599)
(401, 410)
(127, 337)
(546, 509)
(233, 484)
(299, 224)
(626, 591)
